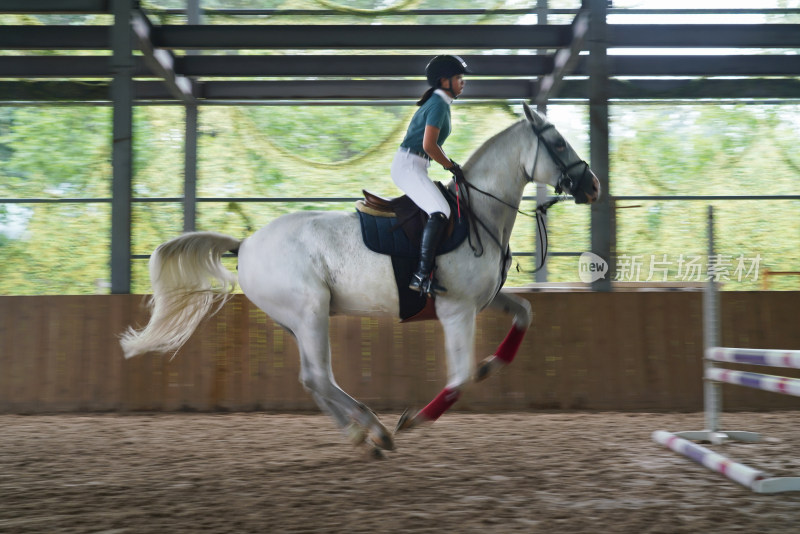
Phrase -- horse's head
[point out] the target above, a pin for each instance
(555, 162)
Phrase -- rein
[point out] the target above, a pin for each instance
(539, 214)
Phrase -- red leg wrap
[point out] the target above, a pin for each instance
(443, 401)
(510, 345)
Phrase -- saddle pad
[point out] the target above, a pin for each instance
(384, 236)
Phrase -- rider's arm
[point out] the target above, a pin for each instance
(431, 146)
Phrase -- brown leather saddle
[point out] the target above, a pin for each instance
(409, 216)
(379, 206)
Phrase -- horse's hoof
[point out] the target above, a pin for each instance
(382, 441)
(355, 434)
(407, 421)
(487, 367)
(375, 454)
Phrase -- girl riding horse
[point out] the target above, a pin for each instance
(427, 132)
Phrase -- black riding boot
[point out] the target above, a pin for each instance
(422, 280)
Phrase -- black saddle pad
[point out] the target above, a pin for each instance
(401, 237)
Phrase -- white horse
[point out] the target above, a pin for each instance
(304, 267)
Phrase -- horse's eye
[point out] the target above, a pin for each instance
(560, 145)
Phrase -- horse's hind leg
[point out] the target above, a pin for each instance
(316, 375)
(354, 432)
(507, 350)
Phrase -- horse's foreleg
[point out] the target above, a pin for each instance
(507, 350)
(459, 331)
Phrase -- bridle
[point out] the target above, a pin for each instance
(565, 183)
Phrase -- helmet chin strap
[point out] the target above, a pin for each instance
(449, 89)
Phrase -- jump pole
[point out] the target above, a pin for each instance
(757, 481)
(713, 377)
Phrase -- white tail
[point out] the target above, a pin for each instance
(189, 282)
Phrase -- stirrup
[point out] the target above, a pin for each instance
(426, 285)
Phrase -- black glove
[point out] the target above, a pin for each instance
(455, 168)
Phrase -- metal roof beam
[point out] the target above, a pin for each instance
(264, 65)
(704, 35)
(385, 37)
(406, 37)
(689, 89)
(358, 90)
(63, 67)
(54, 37)
(55, 91)
(727, 65)
(352, 66)
(565, 59)
(69, 7)
(400, 66)
(160, 61)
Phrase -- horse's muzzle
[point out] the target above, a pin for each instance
(590, 191)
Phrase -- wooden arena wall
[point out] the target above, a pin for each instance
(584, 351)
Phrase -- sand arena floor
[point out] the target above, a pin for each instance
(257, 472)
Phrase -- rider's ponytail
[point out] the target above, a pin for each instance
(426, 96)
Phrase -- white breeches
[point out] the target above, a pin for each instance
(410, 174)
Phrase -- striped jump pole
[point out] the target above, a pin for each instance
(772, 358)
(757, 481)
(776, 384)
(714, 376)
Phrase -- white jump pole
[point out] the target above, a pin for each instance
(775, 384)
(713, 377)
(772, 358)
(756, 480)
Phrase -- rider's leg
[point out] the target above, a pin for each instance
(422, 280)
(410, 174)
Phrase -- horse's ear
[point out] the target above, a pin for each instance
(528, 112)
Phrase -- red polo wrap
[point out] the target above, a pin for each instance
(510, 345)
(443, 401)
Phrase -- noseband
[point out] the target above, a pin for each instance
(565, 181)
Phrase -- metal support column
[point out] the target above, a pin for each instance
(190, 143)
(190, 170)
(541, 189)
(122, 66)
(602, 214)
(711, 390)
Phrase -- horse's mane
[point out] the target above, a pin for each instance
(481, 150)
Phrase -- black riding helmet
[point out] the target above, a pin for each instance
(445, 67)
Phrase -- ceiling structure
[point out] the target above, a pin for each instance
(270, 63)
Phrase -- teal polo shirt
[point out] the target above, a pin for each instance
(436, 112)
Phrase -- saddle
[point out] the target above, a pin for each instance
(394, 227)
